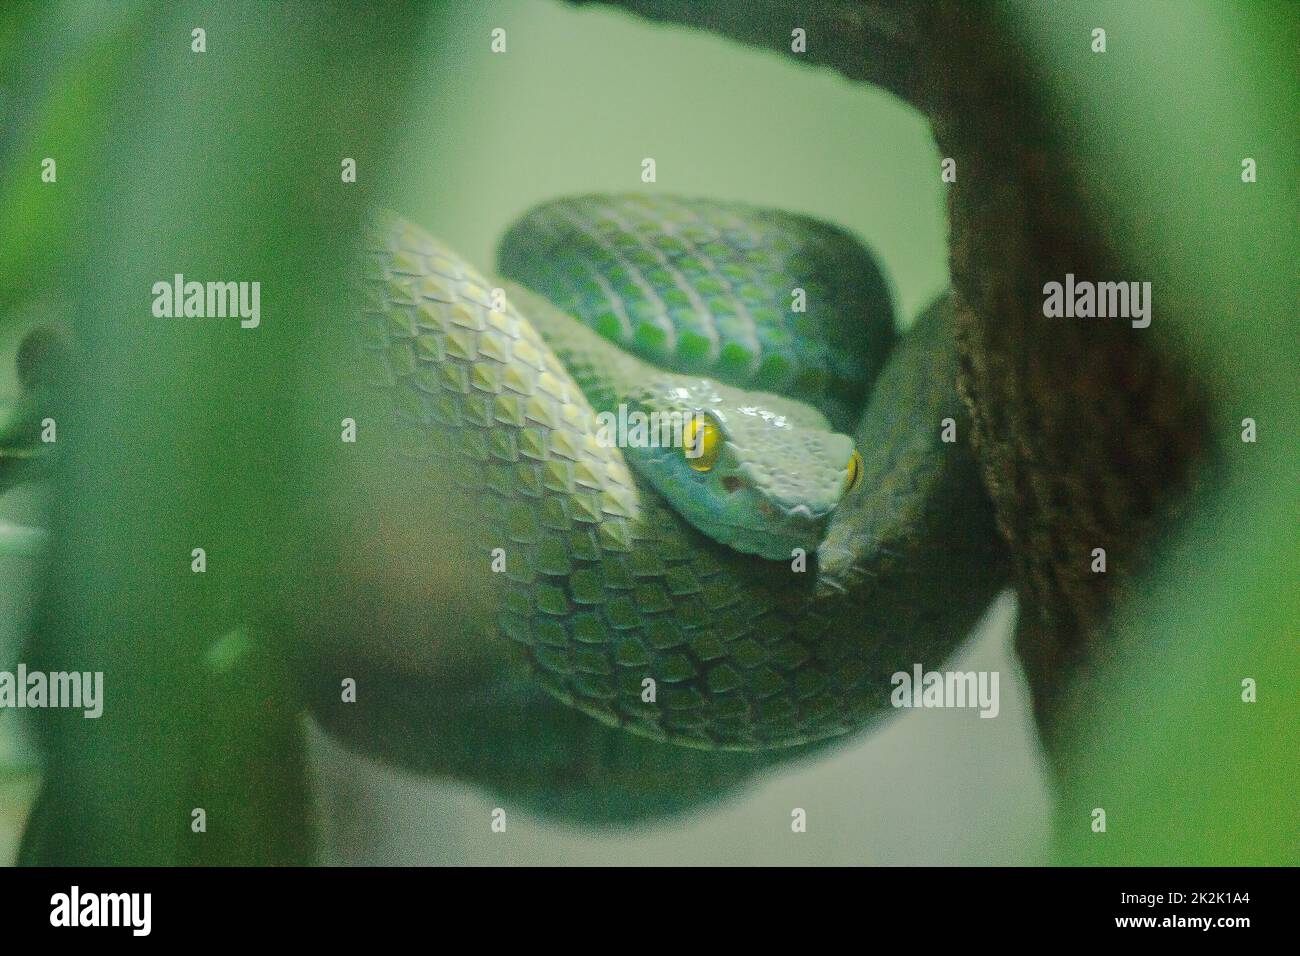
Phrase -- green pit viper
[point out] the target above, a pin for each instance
(758, 593)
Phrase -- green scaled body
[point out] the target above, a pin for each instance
(755, 298)
(625, 611)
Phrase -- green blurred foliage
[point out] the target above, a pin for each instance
(1186, 771)
(219, 165)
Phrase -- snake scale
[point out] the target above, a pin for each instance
(607, 587)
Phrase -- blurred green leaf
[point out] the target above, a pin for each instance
(194, 433)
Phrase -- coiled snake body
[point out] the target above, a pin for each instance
(666, 598)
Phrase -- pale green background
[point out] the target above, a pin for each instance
(583, 95)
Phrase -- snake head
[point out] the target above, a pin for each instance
(756, 472)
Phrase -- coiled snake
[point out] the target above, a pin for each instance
(672, 597)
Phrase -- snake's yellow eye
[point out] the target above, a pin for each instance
(855, 473)
(701, 442)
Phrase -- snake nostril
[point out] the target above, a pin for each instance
(732, 484)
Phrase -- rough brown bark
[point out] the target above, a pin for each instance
(1087, 431)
